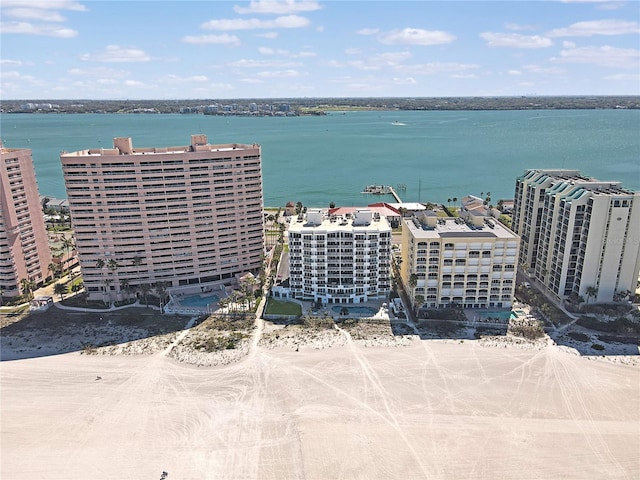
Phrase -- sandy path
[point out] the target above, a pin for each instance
(433, 409)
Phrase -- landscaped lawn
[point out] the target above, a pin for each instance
(279, 307)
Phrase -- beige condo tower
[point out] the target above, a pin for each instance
(24, 248)
(189, 216)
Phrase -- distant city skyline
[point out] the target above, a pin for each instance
(73, 49)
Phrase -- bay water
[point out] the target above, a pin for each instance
(316, 160)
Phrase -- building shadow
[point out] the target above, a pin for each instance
(56, 331)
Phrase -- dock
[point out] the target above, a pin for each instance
(395, 195)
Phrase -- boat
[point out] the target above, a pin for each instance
(397, 123)
(377, 189)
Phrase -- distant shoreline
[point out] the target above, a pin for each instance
(318, 106)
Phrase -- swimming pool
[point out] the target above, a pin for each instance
(198, 300)
(499, 314)
(355, 310)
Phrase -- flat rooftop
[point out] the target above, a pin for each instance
(450, 227)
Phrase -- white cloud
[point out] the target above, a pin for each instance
(597, 27)
(515, 40)
(289, 21)
(514, 72)
(224, 39)
(543, 70)
(33, 14)
(272, 51)
(377, 62)
(177, 80)
(601, 56)
(416, 36)
(352, 51)
(434, 68)
(117, 54)
(44, 12)
(405, 81)
(14, 63)
(248, 63)
(279, 74)
(133, 83)
(45, 4)
(278, 7)
(31, 29)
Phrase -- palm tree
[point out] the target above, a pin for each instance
(107, 289)
(27, 286)
(125, 287)
(76, 287)
(112, 265)
(60, 289)
(52, 267)
(413, 280)
(145, 288)
(418, 301)
(137, 261)
(448, 201)
(591, 292)
(67, 244)
(161, 290)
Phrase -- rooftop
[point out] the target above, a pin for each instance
(361, 220)
(450, 227)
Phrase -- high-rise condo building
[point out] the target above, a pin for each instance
(190, 216)
(580, 236)
(24, 247)
(339, 258)
(450, 261)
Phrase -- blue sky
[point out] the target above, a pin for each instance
(74, 49)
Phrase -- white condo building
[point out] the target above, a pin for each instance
(449, 261)
(339, 258)
(579, 235)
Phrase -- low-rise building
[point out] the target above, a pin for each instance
(449, 261)
(339, 258)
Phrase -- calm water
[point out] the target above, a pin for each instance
(318, 160)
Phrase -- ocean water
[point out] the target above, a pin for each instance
(317, 160)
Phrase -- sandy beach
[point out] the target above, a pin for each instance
(352, 402)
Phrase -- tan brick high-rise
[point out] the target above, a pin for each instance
(190, 216)
(24, 248)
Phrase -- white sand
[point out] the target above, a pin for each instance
(334, 409)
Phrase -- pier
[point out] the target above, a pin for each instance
(395, 195)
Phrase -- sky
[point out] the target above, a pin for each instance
(75, 49)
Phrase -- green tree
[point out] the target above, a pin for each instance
(60, 289)
(137, 261)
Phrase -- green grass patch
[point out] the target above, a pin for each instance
(279, 307)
